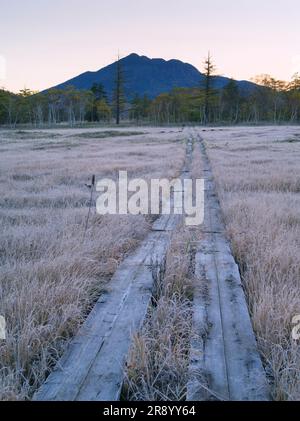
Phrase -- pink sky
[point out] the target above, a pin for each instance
(47, 42)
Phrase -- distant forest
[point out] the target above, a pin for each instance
(270, 101)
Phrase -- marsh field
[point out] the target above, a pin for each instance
(57, 258)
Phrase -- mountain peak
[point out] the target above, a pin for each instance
(131, 56)
(144, 76)
(135, 57)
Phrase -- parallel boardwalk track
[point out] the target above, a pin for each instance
(224, 361)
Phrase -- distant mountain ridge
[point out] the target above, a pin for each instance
(152, 77)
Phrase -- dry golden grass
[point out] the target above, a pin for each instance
(258, 176)
(50, 277)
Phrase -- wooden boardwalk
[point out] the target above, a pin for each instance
(224, 361)
(92, 368)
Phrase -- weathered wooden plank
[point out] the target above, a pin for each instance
(92, 366)
(225, 363)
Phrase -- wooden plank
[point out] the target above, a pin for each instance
(92, 365)
(225, 363)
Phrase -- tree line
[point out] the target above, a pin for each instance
(271, 100)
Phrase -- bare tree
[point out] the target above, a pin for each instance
(209, 70)
(118, 94)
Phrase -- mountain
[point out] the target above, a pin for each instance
(152, 77)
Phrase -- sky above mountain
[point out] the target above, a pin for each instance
(45, 42)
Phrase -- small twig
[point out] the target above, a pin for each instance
(91, 187)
